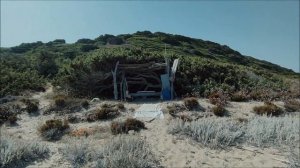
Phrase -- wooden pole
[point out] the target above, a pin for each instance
(114, 73)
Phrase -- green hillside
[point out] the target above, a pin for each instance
(82, 67)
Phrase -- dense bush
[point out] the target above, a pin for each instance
(46, 64)
(18, 153)
(115, 41)
(85, 41)
(86, 72)
(268, 109)
(53, 129)
(88, 47)
(24, 47)
(18, 75)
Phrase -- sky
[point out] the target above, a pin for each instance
(267, 30)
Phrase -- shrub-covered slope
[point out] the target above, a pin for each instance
(84, 67)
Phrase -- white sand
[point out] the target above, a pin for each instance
(170, 150)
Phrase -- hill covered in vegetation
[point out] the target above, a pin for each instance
(84, 67)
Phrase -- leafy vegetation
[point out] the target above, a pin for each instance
(84, 68)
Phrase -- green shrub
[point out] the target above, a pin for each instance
(88, 47)
(53, 129)
(46, 64)
(191, 102)
(268, 109)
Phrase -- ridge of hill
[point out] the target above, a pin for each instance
(205, 66)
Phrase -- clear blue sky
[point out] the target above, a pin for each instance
(267, 30)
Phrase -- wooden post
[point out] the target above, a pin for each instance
(172, 76)
(114, 73)
(167, 60)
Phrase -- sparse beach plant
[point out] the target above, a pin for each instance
(18, 153)
(126, 151)
(211, 132)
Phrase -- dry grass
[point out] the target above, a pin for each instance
(210, 132)
(261, 131)
(19, 153)
(127, 152)
(264, 131)
(78, 154)
(268, 109)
